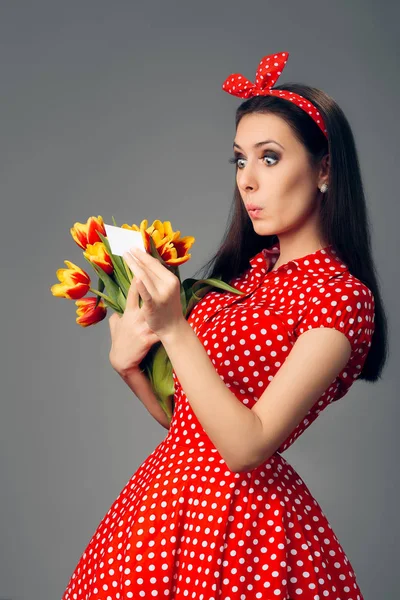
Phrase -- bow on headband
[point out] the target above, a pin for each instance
(268, 72)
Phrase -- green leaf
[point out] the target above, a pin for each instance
(112, 288)
(107, 300)
(218, 283)
(194, 298)
(163, 382)
(127, 270)
(101, 286)
(122, 281)
(121, 299)
(196, 289)
(158, 369)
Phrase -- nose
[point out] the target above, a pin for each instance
(246, 180)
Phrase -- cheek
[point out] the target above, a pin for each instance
(289, 211)
(292, 193)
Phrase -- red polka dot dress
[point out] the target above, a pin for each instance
(185, 526)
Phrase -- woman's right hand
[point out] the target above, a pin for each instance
(131, 337)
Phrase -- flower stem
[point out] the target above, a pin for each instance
(107, 299)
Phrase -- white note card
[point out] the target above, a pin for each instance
(122, 240)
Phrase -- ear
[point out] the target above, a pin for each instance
(323, 176)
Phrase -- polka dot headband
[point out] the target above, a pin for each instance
(268, 72)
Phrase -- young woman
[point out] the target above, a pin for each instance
(216, 512)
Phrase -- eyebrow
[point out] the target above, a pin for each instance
(259, 144)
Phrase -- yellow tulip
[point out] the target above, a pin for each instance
(75, 282)
(88, 313)
(97, 254)
(86, 233)
(170, 246)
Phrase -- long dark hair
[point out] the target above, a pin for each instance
(344, 218)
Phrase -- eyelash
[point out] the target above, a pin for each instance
(235, 159)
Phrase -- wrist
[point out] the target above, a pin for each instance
(129, 372)
(174, 333)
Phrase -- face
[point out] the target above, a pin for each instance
(276, 176)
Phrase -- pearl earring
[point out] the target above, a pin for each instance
(323, 188)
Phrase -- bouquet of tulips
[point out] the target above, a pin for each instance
(114, 278)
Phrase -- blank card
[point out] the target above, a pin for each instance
(122, 240)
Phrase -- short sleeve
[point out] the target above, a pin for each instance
(347, 306)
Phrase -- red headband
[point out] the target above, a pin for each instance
(269, 69)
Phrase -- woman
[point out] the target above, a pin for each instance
(215, 511)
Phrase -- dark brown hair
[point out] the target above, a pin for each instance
(343, 217)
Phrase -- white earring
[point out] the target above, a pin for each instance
(323, 188)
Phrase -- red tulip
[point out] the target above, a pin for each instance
(86, 233)
(75, 282)
(87, 313)
(98, 255)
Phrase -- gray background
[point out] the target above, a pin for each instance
(116, 108)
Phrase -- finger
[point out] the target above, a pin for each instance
(143, 291)
(132, 299)
(140, 272)
(152, 264)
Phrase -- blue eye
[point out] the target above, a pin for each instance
(235, 159)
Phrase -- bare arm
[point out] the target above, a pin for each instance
(141, 387)
(247, 437)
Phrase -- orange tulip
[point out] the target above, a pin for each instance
(98, 255)
(75, 282)
(85, 234)
(172, 248)
(87, 313)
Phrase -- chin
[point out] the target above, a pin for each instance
(263, 228)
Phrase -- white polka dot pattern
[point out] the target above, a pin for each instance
(184, 525)
(268, 72)
(347, 306)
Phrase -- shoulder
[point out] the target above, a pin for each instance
(347, 283)
(342, 287)
(342, 302)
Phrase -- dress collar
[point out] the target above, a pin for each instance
(322, 262)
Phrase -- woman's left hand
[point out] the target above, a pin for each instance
(160, 291)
